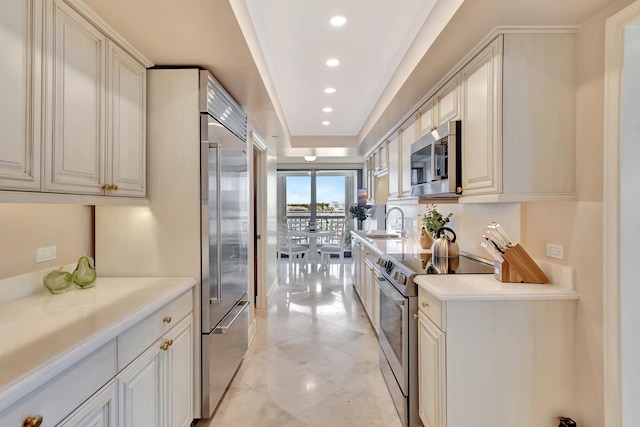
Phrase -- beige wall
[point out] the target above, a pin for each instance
(24, 228)
(578, 225)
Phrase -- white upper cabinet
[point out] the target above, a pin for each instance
(407, 137)
(393, 152)
(98, 119)
(427, 120)
(20, 85)
(518, 97)
(75, 150)
(126, 140)
(447, 102)
(480, 99)
(73, 110)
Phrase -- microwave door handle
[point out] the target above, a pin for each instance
(434, 177)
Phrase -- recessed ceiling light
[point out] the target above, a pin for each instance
(329, 90)
(327, 109)
(310, 158)
(326, 123)
(332, 62)
(338, 20)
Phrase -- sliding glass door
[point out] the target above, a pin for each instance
(315, 198)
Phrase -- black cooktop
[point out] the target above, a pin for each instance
(424, 264)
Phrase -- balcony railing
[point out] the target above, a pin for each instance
(323, 222)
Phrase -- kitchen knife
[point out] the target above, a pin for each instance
(494, 237)
(492, 251)
(502, 233)
(495, 245)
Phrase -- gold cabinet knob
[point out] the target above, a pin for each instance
(106, 187)
(164, 346)
(415, 316)
(114, 187)
(169, 342)
(424, 304)
(34, 421)
(167, 319)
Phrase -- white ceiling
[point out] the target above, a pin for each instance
(219, 35)
(296, 39)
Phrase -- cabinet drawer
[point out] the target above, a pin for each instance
(62, 395)
(137, 339)
(431, 306)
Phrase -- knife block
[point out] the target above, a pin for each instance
(518, 267)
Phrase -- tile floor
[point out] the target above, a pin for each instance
(313, 362)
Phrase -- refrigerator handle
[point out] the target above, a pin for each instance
(218, 298)
(223, 329)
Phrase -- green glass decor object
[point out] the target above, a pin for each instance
(85, 274)
(57, 281)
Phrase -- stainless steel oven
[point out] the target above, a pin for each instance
(398, 332)
(398, 339)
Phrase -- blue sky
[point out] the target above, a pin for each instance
(329, 189)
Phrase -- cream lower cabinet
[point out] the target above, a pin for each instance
(431, 372)
(364, 283)
(518, 115)
(98, 411)
(487, 363)
(156, 389)
(143, 377)
(97, 141)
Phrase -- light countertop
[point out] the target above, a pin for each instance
(390, 245)
(473, 287)
(485, 287)
(43, 334)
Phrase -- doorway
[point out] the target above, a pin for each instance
(621, 213)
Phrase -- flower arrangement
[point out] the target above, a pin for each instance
(359, 212)
(433, 220)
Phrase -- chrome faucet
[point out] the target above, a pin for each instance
(403, 234)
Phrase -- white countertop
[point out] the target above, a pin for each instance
(391, 245)
(485, 287)
(43, 334)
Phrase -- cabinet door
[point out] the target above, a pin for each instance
(126, 146)
(20, 27)
(141, 390)
(368, 291)
(98, 411)
(427, 122)
(74, 150)
(179, 357)
(407, 138)
(393, 165)
(447, 103)
(481, 131)
(431, 373)
(383, 156)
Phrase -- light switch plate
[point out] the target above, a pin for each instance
(555, 251)
(45, 254)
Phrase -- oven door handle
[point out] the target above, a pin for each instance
(389, 290)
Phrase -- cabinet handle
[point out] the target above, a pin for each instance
(424, 304)
(114, 187)
(169, 342)
(167, 319)
(106, 187)
(34, 421)
(415, 316)
(165, 346)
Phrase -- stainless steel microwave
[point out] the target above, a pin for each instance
(436, 166)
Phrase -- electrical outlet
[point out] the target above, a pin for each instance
(555, 251)
(45, 254)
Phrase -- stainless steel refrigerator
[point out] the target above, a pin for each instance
(224, 191)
